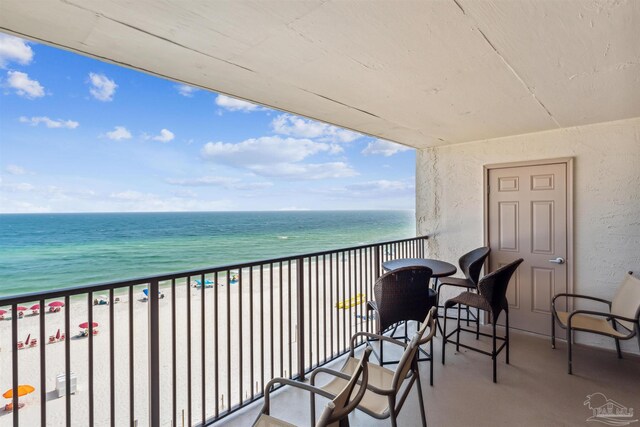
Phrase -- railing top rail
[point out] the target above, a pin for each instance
(83, 289)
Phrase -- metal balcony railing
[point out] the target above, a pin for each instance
(188, 353)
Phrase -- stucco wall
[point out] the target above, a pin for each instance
(449, 199)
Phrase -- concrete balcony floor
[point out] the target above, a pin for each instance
(534, 390)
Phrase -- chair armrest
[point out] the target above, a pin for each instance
(580, 296)
(609, 316)
(355, 336)
(347, 378)
(567, 296)
(298, 384)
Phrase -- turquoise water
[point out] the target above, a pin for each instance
(48, 251)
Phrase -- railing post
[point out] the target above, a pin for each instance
(154, 355)
(377, 262)
(300, 311)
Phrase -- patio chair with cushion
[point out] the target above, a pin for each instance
(470, 265)
(491, 297)
(402, 295)
(387, 389)
(336, 412)
(624, 312)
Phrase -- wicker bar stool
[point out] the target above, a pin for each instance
(402, 295)
(491, 297)
(470, 265)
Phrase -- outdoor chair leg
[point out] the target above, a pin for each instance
(617, 341)
(477, 323)
(468, 314)
(444, 338)
(392, 412)
(458, 331)
(506, 312)
(553, 331)
(430, 363)
(420, 399)
(493, 353)
(569, 342)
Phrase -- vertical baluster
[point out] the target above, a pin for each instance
(317, 286)
(188, 350)
(326, 304)
(261, 327)
(281, 305)
(300, 312)
(331, 305)
(43, 367)
(14, 362)
(251, 332)
(271, 350)
(67, 357)
(215, 342)
(228, 341)
(90, 356)
(112, 362)
(154, 354)
(203, 345)
(174, 370)
(290, 306)
(240, 336)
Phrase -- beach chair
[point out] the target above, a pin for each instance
(387, 390)
(95, 332)
(9, 406)
(337, 411)
(621, 321)
(52, 339)
(20, 345)
(33, 342)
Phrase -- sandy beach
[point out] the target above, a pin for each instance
(277, 295)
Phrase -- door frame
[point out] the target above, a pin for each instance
(568, 161)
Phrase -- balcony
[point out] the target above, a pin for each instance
(187, 354)
(196, 345)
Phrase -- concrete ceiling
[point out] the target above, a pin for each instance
(422, 73)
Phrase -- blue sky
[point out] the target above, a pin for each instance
(80, 135)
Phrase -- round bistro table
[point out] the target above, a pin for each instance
(438, 268)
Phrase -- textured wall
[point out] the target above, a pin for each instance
(449, 199)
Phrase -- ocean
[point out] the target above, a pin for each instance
(49, 251)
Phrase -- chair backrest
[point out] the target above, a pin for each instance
(402, 294)
(336, 412)
(411, 350)
(471, 263)
(626, 301)
(493, 286)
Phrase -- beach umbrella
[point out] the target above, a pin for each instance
(21, 308)
(35, 307)
(23, 389)
(3, 312)
(56, 304)
(85, 325)
(58, 334)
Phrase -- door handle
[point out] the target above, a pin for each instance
(558, 260)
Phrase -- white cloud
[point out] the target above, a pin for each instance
(13, 49)
(165, 136)
(186, 90)
(274, 156)
(17, 187)
(287, 124)
(233, 104)
(118, 133)
(372, 189)
(219, 181)
(305, 170)
(102, 87)
(383, 147)
(24, 86)
(15, 170)
(35, 121)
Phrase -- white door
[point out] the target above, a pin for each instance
(528, 219)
